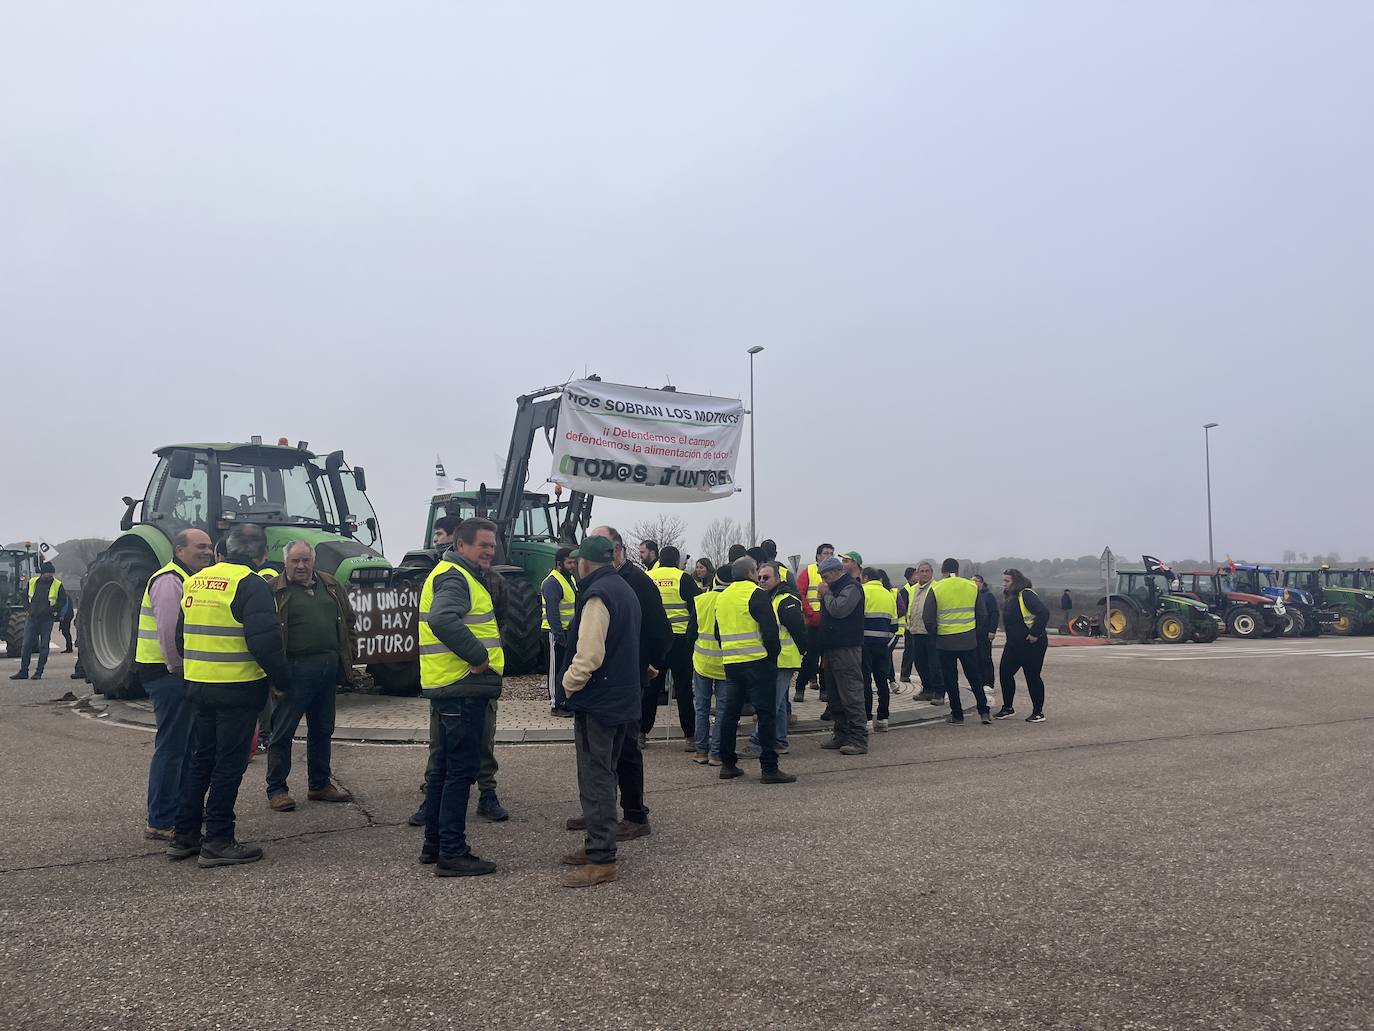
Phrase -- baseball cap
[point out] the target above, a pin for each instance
(596, 549)
(858, 559)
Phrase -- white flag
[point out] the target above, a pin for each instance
(441, 480)
(46, 552)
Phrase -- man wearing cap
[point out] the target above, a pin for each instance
(559, 592)
(678, 591)
(601, 686)
(842, 639)
(47, 597)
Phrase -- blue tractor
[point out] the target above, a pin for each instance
(1300, 608)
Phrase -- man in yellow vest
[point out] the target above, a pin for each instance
(231, 644)
(951, 615)
(880, 624)
(792, 640)
(808, 588)
(708, 668)
(461, 667)
(47, 597)
(678, 591)
(919, 647)
(559, 595)
(158, 662)
(747, 630)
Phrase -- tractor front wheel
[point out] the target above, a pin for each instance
(1347, 622)
(1171, 629)
(14, 634)
(1244, 623)
(1206, 633)
(1293, 623)
(110, 599)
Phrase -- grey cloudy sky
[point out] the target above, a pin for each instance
(1005, 257)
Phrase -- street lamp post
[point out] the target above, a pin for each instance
(1207, 428)
(753, 490)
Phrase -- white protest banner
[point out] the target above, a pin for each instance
(639, 444)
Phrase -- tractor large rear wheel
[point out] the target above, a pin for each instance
(14, 634)
(1245, 623)
(110, 599)
(521, 636)
(1171, 628)
(1121, 622)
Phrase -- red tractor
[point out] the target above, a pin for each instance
(1246, 615)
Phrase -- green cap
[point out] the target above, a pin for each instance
(858, 559)
(596, 549)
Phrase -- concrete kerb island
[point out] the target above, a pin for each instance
(377, 719)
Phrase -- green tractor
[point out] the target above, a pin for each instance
(530, 528)
(1143, 608)
(286, 490)
(17, 566)
(1344, 596)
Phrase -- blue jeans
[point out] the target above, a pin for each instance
(784, 707)
(36, 634)
(756, 681)
(219, 754)
(311, 695)
(449, 780)
(171, 748)
(707, 733)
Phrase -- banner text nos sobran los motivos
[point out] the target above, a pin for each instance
(639, 444)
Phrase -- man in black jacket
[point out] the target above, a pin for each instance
(225, 713)
(989, 614)
(655, 637)
(47, 598)
(842, 640)
(601, 686)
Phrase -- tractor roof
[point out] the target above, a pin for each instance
(240, 450)
(1250, 565)
(471, 495)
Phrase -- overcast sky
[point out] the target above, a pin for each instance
(1006, 258)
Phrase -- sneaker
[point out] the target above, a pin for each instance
(881, 726)
(1003, 713)
(38, 676)
(489, 807)
(853, 749)
(465, 865)
(986, 717)
(783, 749)
(869, 725)
(159, 834)
(713, 761)
(429, 854)
(904, 680)
(590, 875)
(898, 690)
(940, 700)
(417, 818)
(750, 752)
(701, 758)
(799, 696)
(628, 830)
(21, 675)
(227, 853)
(329, 793)
(777, 777)
(832, 744)
(282, 803)
(183, 846)
(729, 771)
(1036, 717)
(957, 721)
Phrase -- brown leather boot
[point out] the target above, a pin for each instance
(576, 823)
(282, 803)
(329, 793)
(589, 875)
(578, 858)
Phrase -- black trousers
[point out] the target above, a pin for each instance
(921, 648)
(598, 746)
(1026, 658)
(810, 670)
(679, 664)
(756, 682)
(629, 778)
(65, 626)
(973, 673)
(985, 660)
(219, 756)
(875, 672)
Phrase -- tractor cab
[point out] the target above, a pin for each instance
(1144, 606)
(17, 567)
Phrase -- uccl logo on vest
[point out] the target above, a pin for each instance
(216, 585)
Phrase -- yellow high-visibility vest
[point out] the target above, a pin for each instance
(267, 573)
(813, 586)
(790, 657)
(740, 639)
(912, 617)
(149, 648)
(1025, 612)
(902, 617)
(213, 644)
(706, 653)
(440, 667)
(567, 605)
(955, 599)
(880, 611)
(669, 582)
(53, 587)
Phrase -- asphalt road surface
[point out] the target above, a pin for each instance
(1184, 843)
